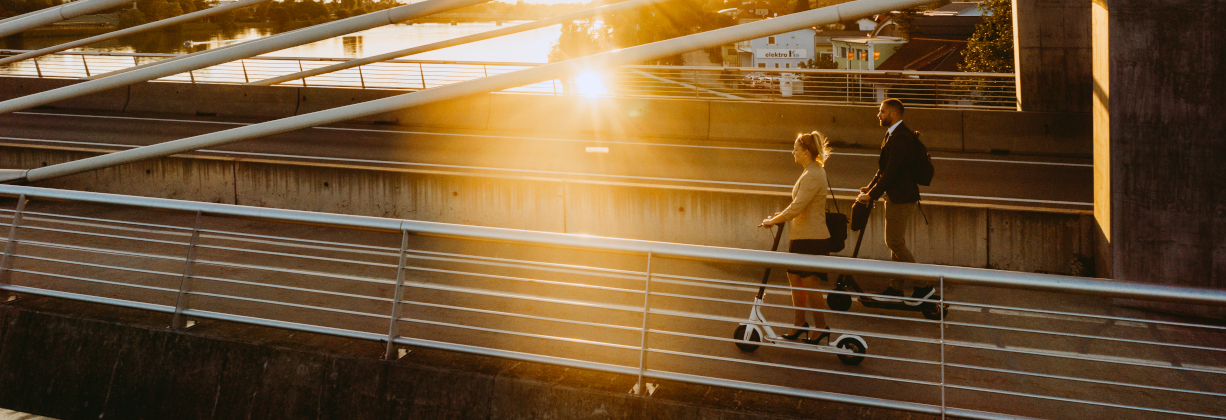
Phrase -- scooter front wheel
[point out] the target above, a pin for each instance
(856, 348)
(739, 335)
(838, 301)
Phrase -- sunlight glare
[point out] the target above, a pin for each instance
(589, 84)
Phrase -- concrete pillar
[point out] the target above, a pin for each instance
(1052, 55)
(1163, 99)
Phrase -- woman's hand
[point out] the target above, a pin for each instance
(766, 223)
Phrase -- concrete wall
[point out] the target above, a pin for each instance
(1052, 55)
(73, 360)
(1043, 133)
(1166, 150)
(1013, 239)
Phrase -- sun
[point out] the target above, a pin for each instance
(589, 84)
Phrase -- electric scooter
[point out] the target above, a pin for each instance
(842, 302)
(755, 330)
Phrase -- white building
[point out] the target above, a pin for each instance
(783, 51)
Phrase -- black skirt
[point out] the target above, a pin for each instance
(809, 247)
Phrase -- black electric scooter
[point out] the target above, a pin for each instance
(842, 302)
(847, 347)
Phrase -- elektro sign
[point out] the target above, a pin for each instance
(780, 53)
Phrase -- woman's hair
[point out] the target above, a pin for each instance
(817, 145)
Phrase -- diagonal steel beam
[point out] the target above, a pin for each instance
(56, 14)
(133, 30)
(612, 8)
(235, 52)
(830, 14)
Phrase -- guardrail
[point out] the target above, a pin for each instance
(921, 89)
(1007, 344)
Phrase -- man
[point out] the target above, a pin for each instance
(896, 180)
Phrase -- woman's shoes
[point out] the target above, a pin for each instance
(818, 340)
(796, 334)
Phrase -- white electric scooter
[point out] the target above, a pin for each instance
(755, 330)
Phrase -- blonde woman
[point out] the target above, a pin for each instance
(807, 231)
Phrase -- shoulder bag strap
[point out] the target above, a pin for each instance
(830, 189)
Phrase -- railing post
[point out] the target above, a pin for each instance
(421, 70)
(941, 313)
(696, 83)
(86, 64)
(135, 62)
(191, 76)
(181, 300)
(246, 79)
(485, 70)
(38, 69)
(393, 329)
(639, 389)
(10, 247)
(361, 77)
(300, 69)
(554, 82)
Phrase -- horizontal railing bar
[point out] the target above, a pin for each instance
(102, 235)
(815, 348)
(87, 298)
(508, 295)
(94, 250)
(1095, 381)
(1107, 317)
(511, 314)
(525, 280)
(300, 289)
(1091, 359)
(521, 334)
(109, 267)
(690, 315)
(305, 257)
(374, 280)
(1086, 336)
(794, 367)
(51, 216)
(1078, 401)
(278, 303)
(89, 280)
(772, 305)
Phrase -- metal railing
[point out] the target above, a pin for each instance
(921, 89)
(1007, 344)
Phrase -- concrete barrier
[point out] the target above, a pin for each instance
(111, 100)
(468, 112)
(1046, 133)
(844, 124)
(214, 99)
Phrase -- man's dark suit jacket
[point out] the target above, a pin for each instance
(896, 167)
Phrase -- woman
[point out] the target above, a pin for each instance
(807, 231)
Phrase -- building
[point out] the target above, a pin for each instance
(783, 51)
(957, 9)
(864, 53)
(824, 46)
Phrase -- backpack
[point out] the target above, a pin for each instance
(923, 166)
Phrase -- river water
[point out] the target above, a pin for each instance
(524, 47)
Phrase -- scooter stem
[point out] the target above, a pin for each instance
(775, 247)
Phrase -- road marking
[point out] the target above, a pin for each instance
(597, 150)
(535, 171)
(493, 136)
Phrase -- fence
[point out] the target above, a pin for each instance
(923, 89)
(1007, 344)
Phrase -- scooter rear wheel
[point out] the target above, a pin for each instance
(739, 334)
(855, 347)
(838, 301)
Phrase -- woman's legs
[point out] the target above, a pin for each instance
(814, 298)
(798, 299)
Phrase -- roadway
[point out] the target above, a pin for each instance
(1028, 181)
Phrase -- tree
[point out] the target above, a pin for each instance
(225, 20)
(130, 18)
(990, 49)
(278, 15)
(801, 5)
(168, 10)
(578, 39)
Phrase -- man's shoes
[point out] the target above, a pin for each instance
(889, 291)
(924, 292)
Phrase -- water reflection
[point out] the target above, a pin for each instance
(353, 46)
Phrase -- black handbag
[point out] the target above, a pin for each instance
(836, 223)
